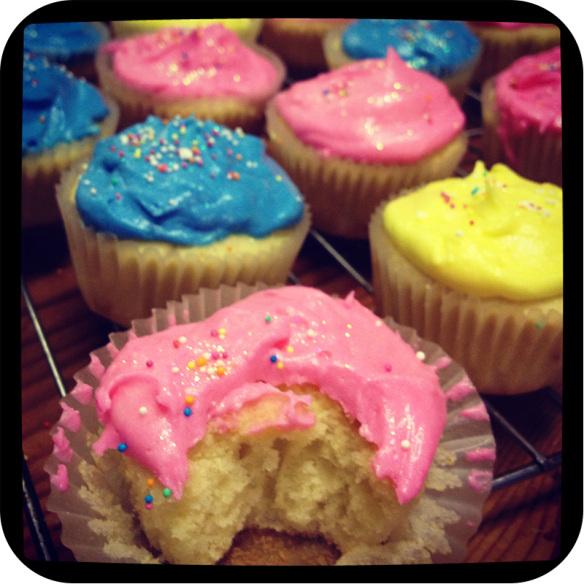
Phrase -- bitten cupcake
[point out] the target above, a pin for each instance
(165, 208)
(505, 42)
(475, 264)
(246, 28)
(62, 118)
(299, 40)
(444, 48)
(277, 411)
(207, 72)
(73, 44)
(522, 117)
(354, 136)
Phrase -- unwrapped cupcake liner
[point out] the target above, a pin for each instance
(124, 279)
(534, 155)
(501, 47)
(336, 57)
(41, 172)
(506, 347)
(99, 526)
(342, 193)
(234, 112)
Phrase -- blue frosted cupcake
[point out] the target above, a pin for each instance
(444, 48)
(62, 119)
(164, 209)
(73, 44)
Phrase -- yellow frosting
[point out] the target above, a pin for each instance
(238, 25)
(490, 234)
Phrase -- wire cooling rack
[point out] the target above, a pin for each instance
(540, 462)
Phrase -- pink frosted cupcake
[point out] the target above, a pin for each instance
(208, 72)
(522, 117)
(352, 137)
(505, 42)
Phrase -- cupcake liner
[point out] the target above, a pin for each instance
(500, 47)
(41, 172)
(233, 112)
(342, 193)
(336, 57)
(532, 154)
(124, 279)
(506, 347)
(299, 43)
(441, 520)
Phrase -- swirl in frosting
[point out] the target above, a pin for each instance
(56, 107)
(62, 40)
(439, 47)
(157, 398)
(491, 234)
(206, 62)
(186, 182)
(376, 111)
(529, 96)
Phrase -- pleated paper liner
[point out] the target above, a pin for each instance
(336, 57)
(232, 111)
(98, 524)
(124, 279)
(41, 172)
(532, 154)
(506, 347)
(342, 193)
(501, 47)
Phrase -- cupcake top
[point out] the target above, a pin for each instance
(185, 182)
(374, 111)
(206, 62)
(492, 234)
(161, 392)
(439, 47)
(529, 95)
(62, 41)
(57, 108)
(240, 26)
(509, 25)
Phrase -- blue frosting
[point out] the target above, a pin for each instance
(56, 107)
(439, 47)
(62, 41)
(186, 182)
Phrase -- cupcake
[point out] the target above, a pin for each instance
(475, 264)
(299, 40)
(62, 118)
(246, 28)
(274, 412)
(165, 208)
(354, 136)
(444, 48)
(522, 117)
(505, 42)
(207, 72)
(72, 44)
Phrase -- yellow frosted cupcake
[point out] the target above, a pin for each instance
(299, 40)
(62, 119)
(352, 137)
(165, 208)
(246, 28)
(505, 42)
(475, 264)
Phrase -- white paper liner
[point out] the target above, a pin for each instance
(441, 521)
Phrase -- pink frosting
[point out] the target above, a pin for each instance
(477, 413)
(481, 454)
(376, 111)
(460, 390)
(60, 479)
(204, 62)
(509, 25)
(480, 480)
(82, 393)
(528, 95)
(70, 418)
(61, 447)
(292, 335)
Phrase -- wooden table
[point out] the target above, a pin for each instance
(521, 522)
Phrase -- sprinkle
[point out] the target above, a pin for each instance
(191, 365)
(137, 153)
(214, 333)
(214, 355)
(220, 371)
(421, 355)
(268, 318)
(273, 358)
(189, 399)
(148, 498)
(187, 412)
(150, 483)
(474, 191)
(182, 340)
(279, 365)
(149, 363)
(379, 146)
(278, 178)
(311, 333)
(148, 506)
(175, 369)
(222, 332)
(405, 444)
(166, 492)
(290, 349)
(143, 410)
(122, 447)
(237, 78)
(388, 367)
(471, 222)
